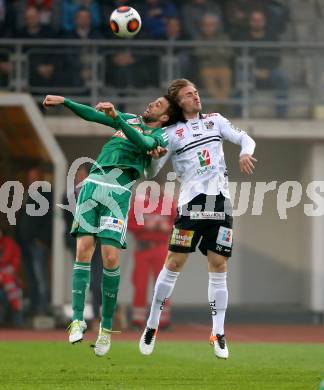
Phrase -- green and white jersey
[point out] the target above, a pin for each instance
(128, 147)
(120, 152)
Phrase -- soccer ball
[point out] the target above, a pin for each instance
(125, 22)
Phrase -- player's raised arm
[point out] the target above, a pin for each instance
(240, 137)
(85, 112)
(144, 142)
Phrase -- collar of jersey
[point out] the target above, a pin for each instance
(192, 119)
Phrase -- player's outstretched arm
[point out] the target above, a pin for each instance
(86, 112)
(144, 142)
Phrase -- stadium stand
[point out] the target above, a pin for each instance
(99, 66)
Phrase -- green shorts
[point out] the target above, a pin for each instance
(102, 210)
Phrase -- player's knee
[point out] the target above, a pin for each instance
(110, 258)
(85, 249)
(175, 261)
(221, 267)
(217, 263)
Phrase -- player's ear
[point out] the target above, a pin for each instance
(164, 118)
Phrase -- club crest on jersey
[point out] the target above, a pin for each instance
(180, 133)
(209, 125)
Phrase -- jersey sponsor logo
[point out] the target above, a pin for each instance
(225, 237)
(215, 215)
(204, 157)
(195, 126)
(146, 132)
(180, 133)
(205, 162)
(134, 121)
(197, 135)
(209, 125)
(182, 237)
(120, 133)
(111, 223)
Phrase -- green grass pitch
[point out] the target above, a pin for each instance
(174, 365)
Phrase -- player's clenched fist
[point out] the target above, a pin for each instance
(246, 164)
(52, 100)
(108, 108)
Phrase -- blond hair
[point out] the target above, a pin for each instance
(175, 87)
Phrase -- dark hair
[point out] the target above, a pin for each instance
(173, 111)
(176, 85)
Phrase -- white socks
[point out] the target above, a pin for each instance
(164, 286)
(218, 298)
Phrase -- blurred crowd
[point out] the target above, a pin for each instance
(162, 19)
(25, 257)
(209, 20)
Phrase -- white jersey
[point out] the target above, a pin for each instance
(196, 151)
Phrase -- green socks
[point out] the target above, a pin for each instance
(80, 284)
(110, 286)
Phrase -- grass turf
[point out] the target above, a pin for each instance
(174, 365)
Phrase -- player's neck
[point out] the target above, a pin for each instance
(191, 115)
(153, 124)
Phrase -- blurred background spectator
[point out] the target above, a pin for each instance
(34, 235)
(49, 12)
(193, 12)
(182, 63)
(10, 281)
(214, 63)
(5, 67)
(78, 62)
(151, 249)
(7, 18)
(154, 15)
(42, 68)
(33, 28)
(7, 30)
(266, 62)
(70, 8)
(83, 27)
